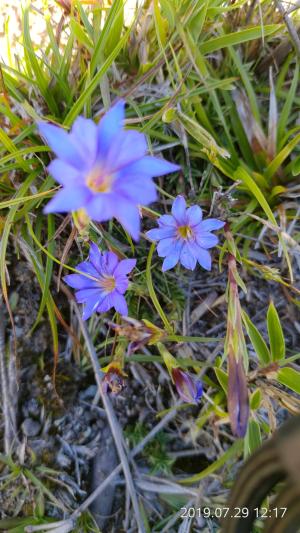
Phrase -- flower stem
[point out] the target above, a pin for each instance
(152, 293)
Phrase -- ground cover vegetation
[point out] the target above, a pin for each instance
(149, 260)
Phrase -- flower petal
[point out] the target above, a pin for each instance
(76, 281)
(179, 209)
(90, 307)
(95, 256)
(109, 127)
(88, 268)
(187, 259)
(137, 189)
(84, 130)
(157, 234)
(64, 173)
(84, 295)
(167, 220)
(63, 145)
(109, 262)
(194, 215)
(122, 283)
(101, 206)
(106, 304)
(119, 303)
(127, 147)
(124, 267)
(165, 247)
(151, 166)
(204, 259)
(211, 224)
(68, 199)
(207, 240)
(170, 262)
(128, 215)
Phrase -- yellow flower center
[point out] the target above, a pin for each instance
(97, 181)
(108, 283)
(185, 232)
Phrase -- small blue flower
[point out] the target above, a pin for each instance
(185, 237)
(188, 386)
(102, 283)
(103, 169)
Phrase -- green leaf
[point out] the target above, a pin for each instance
(258, 343)
(41, 79)
(287, 106)
(79, 104)
(242, 174)
(280, 158)
(234, 450)
(113, 21)
(80, 34)
(238, 37)
(290, 378)
(197, 20)
(277, 190)
(296, 166)
(48, 272)
(161, 23)
(248, 181)
(255, 399)
(201, 135)
(254, 436)
(152, 292)
(277, 343)
(222, 378)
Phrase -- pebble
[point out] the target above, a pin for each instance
(89, 393)
(30, 427)
(63, 460)
(31, 408)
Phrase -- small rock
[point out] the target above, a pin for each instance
(30, 427)
(31, 408)
(88, 393)
(63, 460)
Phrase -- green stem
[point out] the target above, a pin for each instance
(152, 293)
(184, 338)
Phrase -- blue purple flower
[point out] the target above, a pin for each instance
(103, 169)
(185, 237)
(102, 283)
(188, 386)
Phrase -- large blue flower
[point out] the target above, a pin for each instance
(102, 283)
(103, 169)
(185, 237)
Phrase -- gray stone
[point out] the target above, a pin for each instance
(89, 393)
(30, 427)
(63, 460)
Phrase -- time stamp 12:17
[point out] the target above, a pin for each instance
(232, 512)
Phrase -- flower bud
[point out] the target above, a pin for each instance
(114, 379)
(188, 386)
(238, 401)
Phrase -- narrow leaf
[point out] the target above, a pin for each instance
(276, 337)
(254, 436)
(290, 378)
(258, 343)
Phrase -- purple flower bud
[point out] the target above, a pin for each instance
(114, 379)
(238, 402)
(188, 386)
